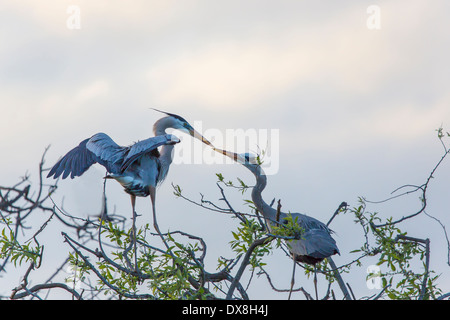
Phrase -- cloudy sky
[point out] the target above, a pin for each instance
(356, 108)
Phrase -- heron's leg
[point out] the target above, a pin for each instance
(155, 222)
(293, 277)
(315, 281)
(133, 206)
(153, 199)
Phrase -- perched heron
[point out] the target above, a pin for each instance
(316, 242)
(139, 168)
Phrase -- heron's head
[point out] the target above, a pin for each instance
(247, 159)
(177, 122)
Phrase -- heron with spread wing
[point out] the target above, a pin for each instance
(139, 168)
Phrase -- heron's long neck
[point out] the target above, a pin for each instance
(261, 180)
(160, 126)
(166, 151)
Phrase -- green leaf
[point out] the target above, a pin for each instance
(391, 295)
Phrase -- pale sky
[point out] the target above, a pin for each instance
(356, 109)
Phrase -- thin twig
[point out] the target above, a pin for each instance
(244, 264)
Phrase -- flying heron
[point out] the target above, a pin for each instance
(139, 168)
(316, 242)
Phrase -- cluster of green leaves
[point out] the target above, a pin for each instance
(245, 235)
(441, 134)
(122, 255)
(161, 274)
(398, 254)
(30, 251)
(289, 227)
(79, 269)
(174, 270)
(241, 186)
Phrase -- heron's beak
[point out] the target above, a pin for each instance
(229, 154)
(198, 136)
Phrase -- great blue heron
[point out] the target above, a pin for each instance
(316, 242)
(139, 168)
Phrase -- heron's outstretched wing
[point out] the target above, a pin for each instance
(145, 146)
(100, 148)
(108, 153)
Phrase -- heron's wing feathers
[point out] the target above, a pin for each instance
(316, 243)
(75, 162)
(316, 240)
(308, 223)
(107, 152)
(146, 146)
(319, 244)
(100, 148)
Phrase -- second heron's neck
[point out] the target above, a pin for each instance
(261, 181)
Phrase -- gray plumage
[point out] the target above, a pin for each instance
(316, 242)
(139, 168)
(100, 148)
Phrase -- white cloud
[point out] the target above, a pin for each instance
(96, 89)
(224, 75)
(338, 52)
(406, 124)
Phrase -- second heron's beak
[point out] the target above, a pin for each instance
(245, 159)
(229, 154)
(198, 136)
